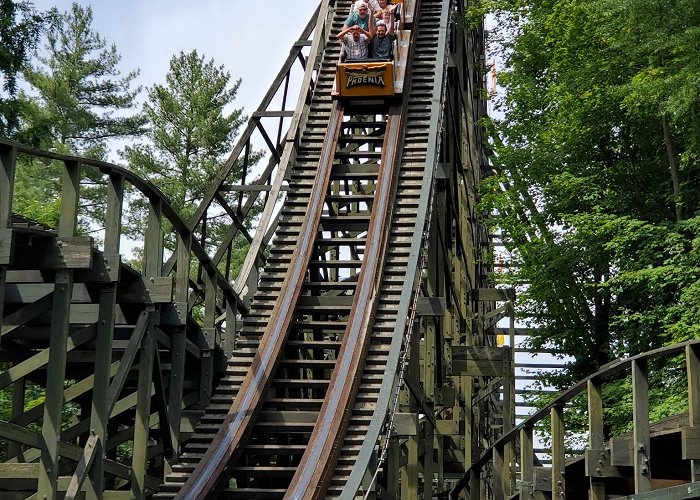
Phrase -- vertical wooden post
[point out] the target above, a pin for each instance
(595, 433)
(105, 333)
(640, 414)
(8, 161)
(508, 420)
(153, 262)
(393, 467)
(474, 484)
(14, 449)
(8, 164)
(692, 363)
(527, 462)
(177, 371)
(558, 453)
(206, 379)
(428, 465)
(60, 318)
(499, 475)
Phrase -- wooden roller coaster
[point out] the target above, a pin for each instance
(354, 354)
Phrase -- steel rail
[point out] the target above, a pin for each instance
(241, 416)
(317, 465)
(150, 191)
(412, 277)
(606, 370)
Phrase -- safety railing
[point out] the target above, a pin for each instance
(601, 461)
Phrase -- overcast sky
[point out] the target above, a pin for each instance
(251, 39)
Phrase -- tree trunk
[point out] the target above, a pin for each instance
(671, 154)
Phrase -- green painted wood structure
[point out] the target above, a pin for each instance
(112, 372)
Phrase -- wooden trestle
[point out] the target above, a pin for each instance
(351, 366)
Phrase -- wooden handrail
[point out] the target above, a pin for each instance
(566, 396)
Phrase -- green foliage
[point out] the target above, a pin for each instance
(597, 191)
(191, 133)
(20, 26)
(80, 90)
(77, 103)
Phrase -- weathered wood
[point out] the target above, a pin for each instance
(40, 359)
(8, 165)
(82, 468)
(558, 452)
(74, 252)
(55, 379)
(640, 414)
(692, 361)
(542, 479)
(99, 416)
(67, 450)
(405, 424)
(597, 458)
(690, 443)
(493, 294)
(155, 290)
(430, 306)
(6, 246)
(621, 452)
(499, 474)
(478, 361)
(526, 462)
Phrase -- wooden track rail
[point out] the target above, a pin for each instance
(339, 363)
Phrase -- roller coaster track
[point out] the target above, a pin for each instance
(347, 358)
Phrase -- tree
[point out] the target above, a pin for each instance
(77, 104)
(597, 155)
(191, 132)
(83, 101)
(20, 27)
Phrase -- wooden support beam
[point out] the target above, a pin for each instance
(527, 456)
(692, 363)
(640, 415)
(478, 361)
(82, 468)
(621, 452)
(558, 453)
(596, 442)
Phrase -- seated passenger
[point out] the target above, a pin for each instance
(355, 42)
(361, 17)
(382, 44)
(372, 4)
(386, 12)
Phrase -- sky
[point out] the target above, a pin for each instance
(250, 39)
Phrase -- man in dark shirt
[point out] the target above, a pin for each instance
(382, 44)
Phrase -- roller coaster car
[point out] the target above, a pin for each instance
(365, 78)
(377, 78)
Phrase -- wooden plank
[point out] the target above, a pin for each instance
(10, 470)
(431, 306)
(640, 415)
(558, 452)
(405, 424)
(527, 456)
(692, 363)
(6, 246)
(621, 452)
(493, 294)
(477, 361)
(8, 166)
(74, 252)
(76, 481)
(596, 443)
(151, 290)
(542, 479)
(55, 379)
(690, 443)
